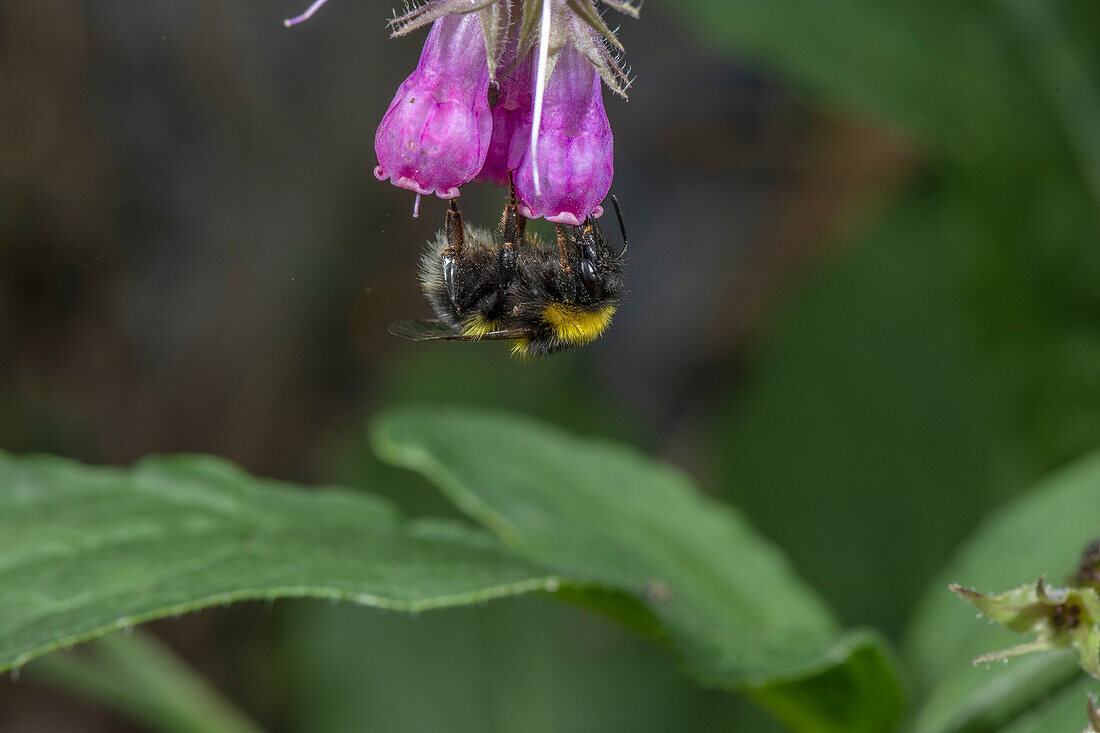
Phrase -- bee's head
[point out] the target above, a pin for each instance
(599, 268)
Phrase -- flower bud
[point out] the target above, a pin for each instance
(435, 134)
(575, 147)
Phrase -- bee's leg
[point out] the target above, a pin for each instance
(508, 262)
(562, 240)
(510, 224)
(456, 241)
(513, 224)
(521, 221)
(521, 228)
(452, 227)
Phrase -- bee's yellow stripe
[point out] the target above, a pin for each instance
(478, 326)
(519, 348)
(576, 326)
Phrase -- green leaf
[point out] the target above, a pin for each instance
(1041, 533)
(948, 70)
(862, 428)
(1001, 98)
(603, 514)
(84, 551)
(850, 696)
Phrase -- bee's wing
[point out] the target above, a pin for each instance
(434, 330)
(421, 330)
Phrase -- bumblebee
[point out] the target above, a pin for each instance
(508, 284)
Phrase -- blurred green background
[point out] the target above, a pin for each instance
(864, 308)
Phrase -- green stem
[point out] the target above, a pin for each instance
(138, 676)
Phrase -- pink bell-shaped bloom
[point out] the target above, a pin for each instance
(435, 134)
(575, 146)
(548, 129)
(511, 124)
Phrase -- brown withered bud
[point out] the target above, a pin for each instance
(1088, 572)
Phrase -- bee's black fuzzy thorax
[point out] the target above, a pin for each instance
(473, 287)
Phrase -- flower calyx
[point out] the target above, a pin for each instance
(1059, 618)
(520, 22)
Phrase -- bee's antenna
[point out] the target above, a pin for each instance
(622, 227)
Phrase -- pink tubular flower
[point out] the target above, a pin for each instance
(435, 134)
(548, 128)
(574, 164)
(511, 125)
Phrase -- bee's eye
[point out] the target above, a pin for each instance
(591, 278)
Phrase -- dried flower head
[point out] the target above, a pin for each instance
(1088, 570)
